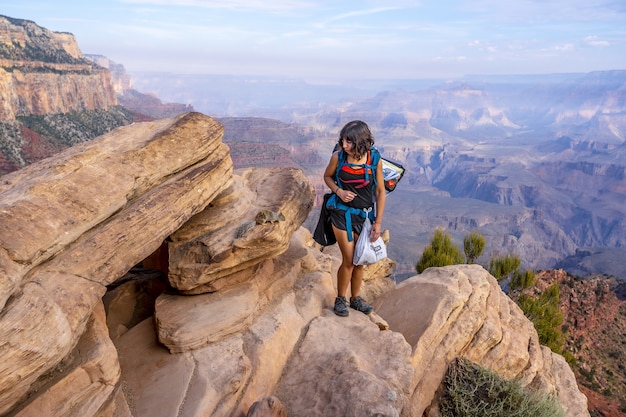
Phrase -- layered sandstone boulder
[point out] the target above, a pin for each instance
(230, 247)
(74, 223)
(292, 347)
(461, 312)
(91, 371)
(252, 221)
(348, 367)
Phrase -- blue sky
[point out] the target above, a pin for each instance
(319, 39)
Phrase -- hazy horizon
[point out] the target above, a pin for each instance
(278, 97)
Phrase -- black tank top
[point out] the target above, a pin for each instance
(352, 178)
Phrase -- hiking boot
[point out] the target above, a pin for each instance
(360, 305)
(341, 307)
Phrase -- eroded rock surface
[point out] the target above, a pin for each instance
(74, 223)
(252, 221)
(219, 369)
(460, 311)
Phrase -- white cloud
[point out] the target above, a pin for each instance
(459, 58)
(596, 41)
(357, 13)
(564, 47)
(274, 6)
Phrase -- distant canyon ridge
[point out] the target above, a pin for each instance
(534, 163)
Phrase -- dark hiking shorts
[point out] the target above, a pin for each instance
(338, 219)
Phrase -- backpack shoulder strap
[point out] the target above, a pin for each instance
(375, 156)
(341, 161)
(375, 159)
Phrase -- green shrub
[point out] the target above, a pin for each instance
(502, 266)
(524, 279)
(544, 312)
(473, 246)
(472, 391)
(570, 358)
(440, 252)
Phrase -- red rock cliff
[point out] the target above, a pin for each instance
(42, 71)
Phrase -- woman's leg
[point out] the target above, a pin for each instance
(356, 302)
(345, 272)
(349, 274)
(357, 280)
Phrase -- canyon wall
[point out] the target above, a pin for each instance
(61, 90)
(42, 72)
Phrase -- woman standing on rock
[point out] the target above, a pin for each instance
(350, 176)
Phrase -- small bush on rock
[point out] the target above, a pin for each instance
(473, 391)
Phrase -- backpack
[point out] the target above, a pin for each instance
(392, 171)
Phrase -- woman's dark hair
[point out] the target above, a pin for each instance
(358, 133)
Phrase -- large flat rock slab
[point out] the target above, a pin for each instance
(346, 366)
(252, 221)
(46, 206)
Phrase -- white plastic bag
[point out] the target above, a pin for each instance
(367, 252)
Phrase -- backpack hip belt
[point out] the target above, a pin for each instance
(334, 202)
